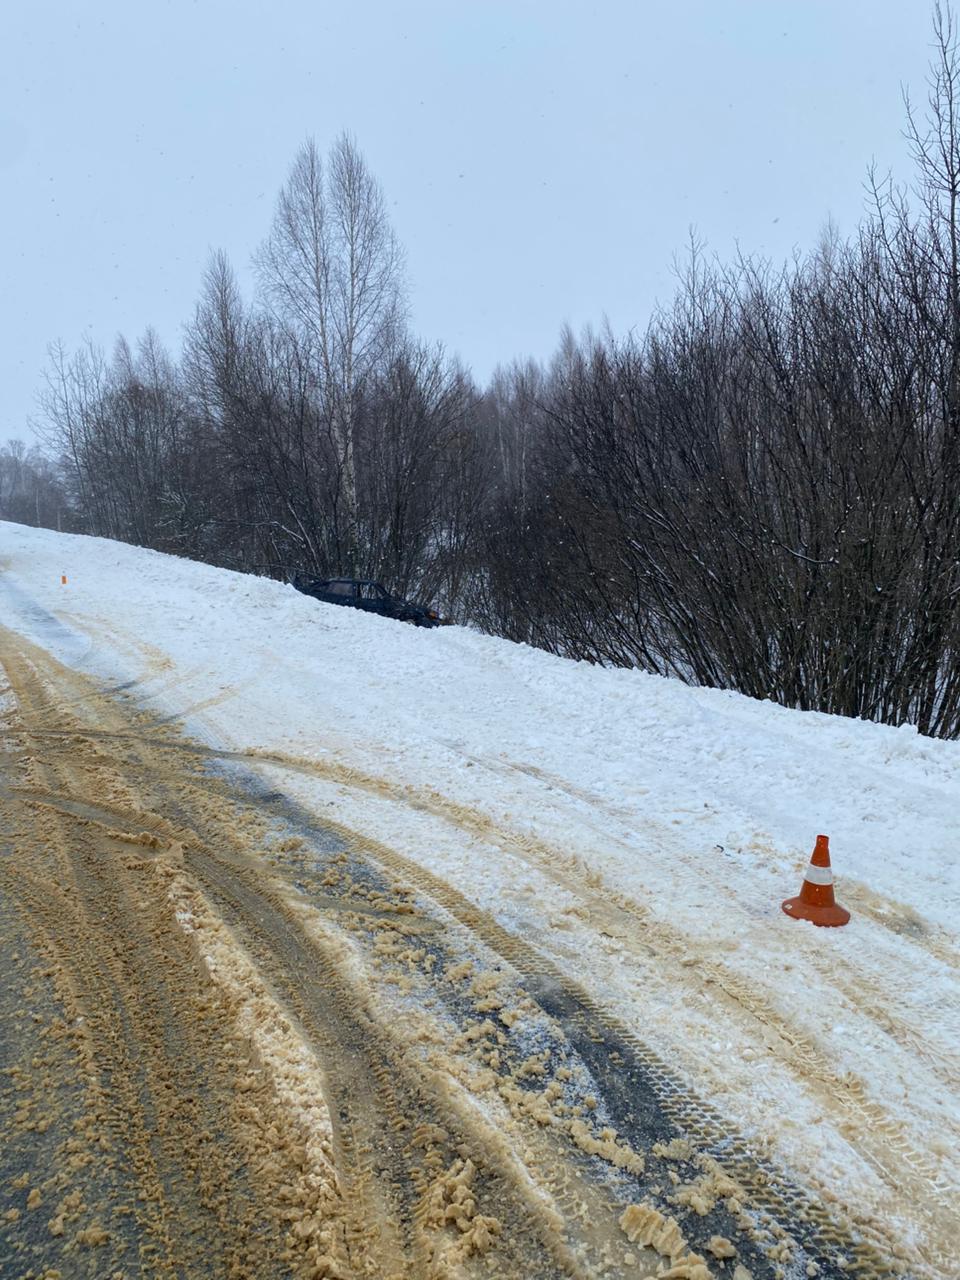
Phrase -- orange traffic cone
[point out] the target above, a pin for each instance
(816, 901)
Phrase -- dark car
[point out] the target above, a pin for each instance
(372, 597)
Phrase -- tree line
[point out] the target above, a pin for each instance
(761, 493)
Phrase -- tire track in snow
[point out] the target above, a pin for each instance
(418, 1182)
(638, 930)
(879, 1137)
(157, 1060)
(580, 1014)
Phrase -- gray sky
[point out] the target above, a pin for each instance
(543, 160)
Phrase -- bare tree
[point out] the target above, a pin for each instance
(31, 488)
(935, 143)
(332, 269)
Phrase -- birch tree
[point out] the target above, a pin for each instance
(333, 270)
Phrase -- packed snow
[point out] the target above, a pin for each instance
(641, 832)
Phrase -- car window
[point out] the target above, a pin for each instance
(373, 591)
(342, 588)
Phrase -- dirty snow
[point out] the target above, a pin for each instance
(641, 832)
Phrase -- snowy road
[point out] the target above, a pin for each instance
(272, 1038)
(290, 993)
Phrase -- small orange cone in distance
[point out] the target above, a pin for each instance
(63, 579)
(816, 901)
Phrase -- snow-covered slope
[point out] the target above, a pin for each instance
(642, 832)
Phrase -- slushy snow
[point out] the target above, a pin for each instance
(641, 832)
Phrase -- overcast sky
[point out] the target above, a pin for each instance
(543, 160)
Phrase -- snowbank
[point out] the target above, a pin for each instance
(734, 773)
